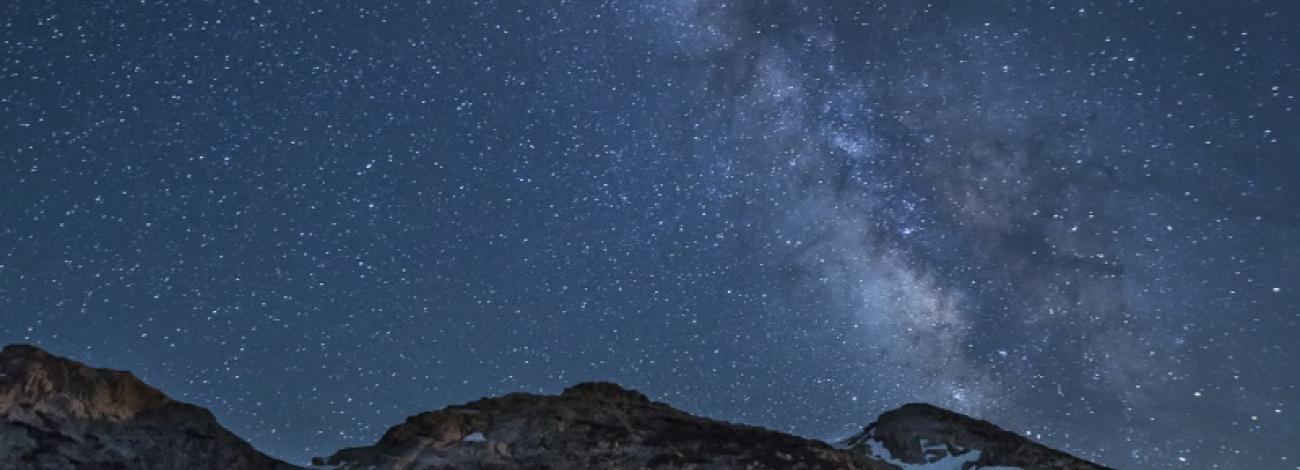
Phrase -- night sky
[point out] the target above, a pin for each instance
(1079, 220)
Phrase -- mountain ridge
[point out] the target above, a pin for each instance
(919, 433)
(62, 414)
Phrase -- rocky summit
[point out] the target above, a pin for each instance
(919, 434)
(60, 414)
(590, 425)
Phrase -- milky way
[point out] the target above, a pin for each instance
(1079, 220)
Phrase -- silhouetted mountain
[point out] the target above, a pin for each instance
(59, 414)
(590, 425)
(918, 434)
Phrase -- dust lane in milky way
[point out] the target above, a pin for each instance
(1075, 219)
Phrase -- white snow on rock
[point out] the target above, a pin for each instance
(947, 462)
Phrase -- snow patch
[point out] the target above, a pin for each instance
(475, 437)
(946, 462)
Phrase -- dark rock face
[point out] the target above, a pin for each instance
(60, 414)
(591, 425)
(920, 433)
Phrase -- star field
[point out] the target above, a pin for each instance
(1078, 220)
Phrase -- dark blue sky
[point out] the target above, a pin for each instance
(1079, 220)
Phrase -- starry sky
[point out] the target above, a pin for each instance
(1077, 219)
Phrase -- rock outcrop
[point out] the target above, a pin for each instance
(590, 425)
(918, 434)
(60, 414)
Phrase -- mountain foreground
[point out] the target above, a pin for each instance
(56, 413)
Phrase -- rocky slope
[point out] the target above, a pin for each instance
(918, 434)
(59, 414)
(591, 425)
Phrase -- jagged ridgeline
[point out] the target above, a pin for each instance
(56, 413)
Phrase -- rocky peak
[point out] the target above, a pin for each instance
(34, 378)
(919, 433)
(605, 391)
(60, 414)
(589, 425)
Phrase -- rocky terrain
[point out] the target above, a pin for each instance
(917, 434)
(59, 414)
(590, 425)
